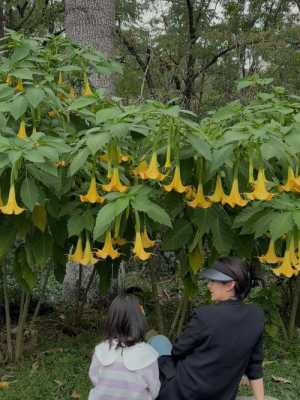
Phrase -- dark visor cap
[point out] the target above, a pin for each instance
(217, 273)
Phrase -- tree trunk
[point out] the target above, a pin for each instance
(92, 22)
(1, 22)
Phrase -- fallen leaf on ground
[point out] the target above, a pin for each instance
(279, 379)
(4, 385)
(75, 395)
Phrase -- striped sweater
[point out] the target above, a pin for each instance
(122, 374)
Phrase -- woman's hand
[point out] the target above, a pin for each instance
(257, 387)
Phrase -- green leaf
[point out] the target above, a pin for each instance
(34, 96)
(281, 224)
(179, 236)
(154, 211)
(200, 145)
(4, 161)
(107, 214)
(78, 223)
(7, 238)
(78, 161)
(25, 74)
(18, 107)
(30, 193)
(40, 248)
(82, 102)
(20, 53)
(107, 114)
(96, 142)
(221, 234)
(296, 218)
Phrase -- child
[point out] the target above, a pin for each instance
(124, 366)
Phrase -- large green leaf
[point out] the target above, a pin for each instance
(153, 210)
(30, 193)
(107, 214)
(39, 249)
(98, 141)
(82, 102)
(18, 107)
(107, 114)
(7, 237)
(35, 96)
(281, 224)
(78, 223)
(179, 236)
(78, 161)
(200, 145)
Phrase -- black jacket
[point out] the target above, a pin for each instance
(221, 343)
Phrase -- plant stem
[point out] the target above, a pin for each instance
(7, 315)
(157, 307)
(84, 297)
(183, 314)
(20, 329)
(294, 309)
(42, 293)
(176, 317)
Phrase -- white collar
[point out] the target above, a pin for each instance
(135, 357)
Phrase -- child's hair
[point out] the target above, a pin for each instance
(126, 323)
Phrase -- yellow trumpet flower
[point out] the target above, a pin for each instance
(88, 258)
(270, 257)
(285, 268)
(190, 193)
(260, 192)
(11, 206)
(153, 171)
(8, 80)
(218, 195)
(141, 169)
(87, 91)
(72, 93)
(176, 183)
(234, 198)
(4, 385)
(147, 243)
(289, 185)
(121, 158)
(20, 86)
(138, 249)
(115, 184)
(76, 257)
(60, 78)
(92, 196)
(108, 249)
(199, 201)
(22, 131)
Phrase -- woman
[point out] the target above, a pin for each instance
(221, 343)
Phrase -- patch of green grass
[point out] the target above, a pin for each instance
(58, 369)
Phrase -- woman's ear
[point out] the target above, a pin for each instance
(230, 286)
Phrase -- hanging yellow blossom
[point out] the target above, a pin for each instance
(176, 183)
(108, 249)
(121, 158)
(234, 198)
(88, 258)
(87, 91)
(260, 192)
(8, 80)
(76, 257)
(60, 78)
(270, 257)
(92, 196)
(190, 193)
(22, 131)
(115, 184)
(147, 243)
(141, 169)
(153, 171)
(20, 86)
(199, 201)
(11, 206)
(289, 185)
(285, 268)
(72, 93)
(138, 249)
(218, 195)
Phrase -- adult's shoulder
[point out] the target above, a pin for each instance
(256, 310)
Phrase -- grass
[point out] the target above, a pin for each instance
(57, 369)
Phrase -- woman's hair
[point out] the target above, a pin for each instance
(126, 323)
(241, 272)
